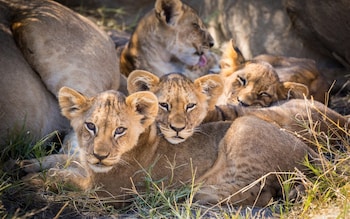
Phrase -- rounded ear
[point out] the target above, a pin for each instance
(212, 86)
(168, 11)
(293, 90)
(144, 103)
(72, 102)
(140, 80)
(232, 58)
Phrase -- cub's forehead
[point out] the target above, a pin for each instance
(108, 109)
(260, 69)
(110, 99)
(175, 86)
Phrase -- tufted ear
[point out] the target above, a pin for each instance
(232, 58)
(144, 103)
(292, 90)
(168, 11)
(212, 86)
(72, 103)
(140, 80)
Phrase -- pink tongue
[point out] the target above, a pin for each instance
(202, 61)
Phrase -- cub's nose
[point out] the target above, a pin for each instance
(177, 129)
(211, 44)
(101, 157)
(241, 103)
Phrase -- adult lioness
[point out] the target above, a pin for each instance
(45, 46)
(183, 104)
(170, 38)
(267, 79)
(117, 137)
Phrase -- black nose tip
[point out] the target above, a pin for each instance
(177, 129)
(101, 157)
(211, 44)
(241, 103)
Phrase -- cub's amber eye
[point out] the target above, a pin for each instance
(119, 131)
(164, 106)
(242, 80)
(90, 127)
(190, 106)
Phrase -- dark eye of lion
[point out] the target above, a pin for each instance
(119, 131)
(242, 80)
(164, 106)
(90, 127)
(196, 25)
(190, 106)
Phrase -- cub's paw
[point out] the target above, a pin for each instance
(207, 195)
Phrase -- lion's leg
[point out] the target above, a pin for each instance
(218, 166)
(225, 191)
(45, 163)
(74, 176)
(63, 170)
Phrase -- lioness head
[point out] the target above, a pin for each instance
(107, 125)
(183, 104)
(170, 38)
(253, 83)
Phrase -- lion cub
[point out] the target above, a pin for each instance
(170, 38)
(117, 138)
(267, 79)
(183, 104)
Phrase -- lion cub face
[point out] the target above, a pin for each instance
(183, 104)
(256, 84)
(107, 125)
(253, 83)
(170, 38)
(190, 37)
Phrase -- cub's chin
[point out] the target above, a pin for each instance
(100, 168)
(175, 139)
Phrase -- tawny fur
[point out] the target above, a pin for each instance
(303, 118)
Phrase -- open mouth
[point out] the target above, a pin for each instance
(178, 137)
(202, 59)
(176, 140)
